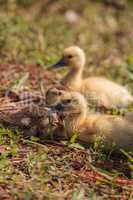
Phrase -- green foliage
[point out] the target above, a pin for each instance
(73, 138)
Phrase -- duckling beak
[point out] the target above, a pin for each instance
(51, 111)
(56, 109)
(59, 107)
(59, 64)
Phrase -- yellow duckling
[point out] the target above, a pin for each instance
(115, 131)
(98, 90)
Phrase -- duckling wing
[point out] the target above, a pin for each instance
(129, 117)
(116, 131)
(106, 92)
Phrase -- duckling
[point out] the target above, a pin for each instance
(30, 115)
(115, 131)
(98, 90)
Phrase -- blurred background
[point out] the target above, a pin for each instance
(36, 32)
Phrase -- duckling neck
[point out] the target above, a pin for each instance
(73, 79)
(74, 121)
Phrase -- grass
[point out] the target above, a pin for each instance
(32, 37)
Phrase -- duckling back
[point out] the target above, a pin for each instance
(105, 92)
(116, 131)
(129, 117)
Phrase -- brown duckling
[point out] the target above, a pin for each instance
(115, 131)
(53, 95)
(30, 115)
(98, 90)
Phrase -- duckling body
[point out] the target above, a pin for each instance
(98, 90)
(113, 130)
(105, 92)
(129, 117)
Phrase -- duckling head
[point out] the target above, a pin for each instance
(72, 103)
(73, 57)
(53, 96)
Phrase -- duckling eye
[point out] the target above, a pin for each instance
(67, 101)
(70, 56)
(59, 93)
